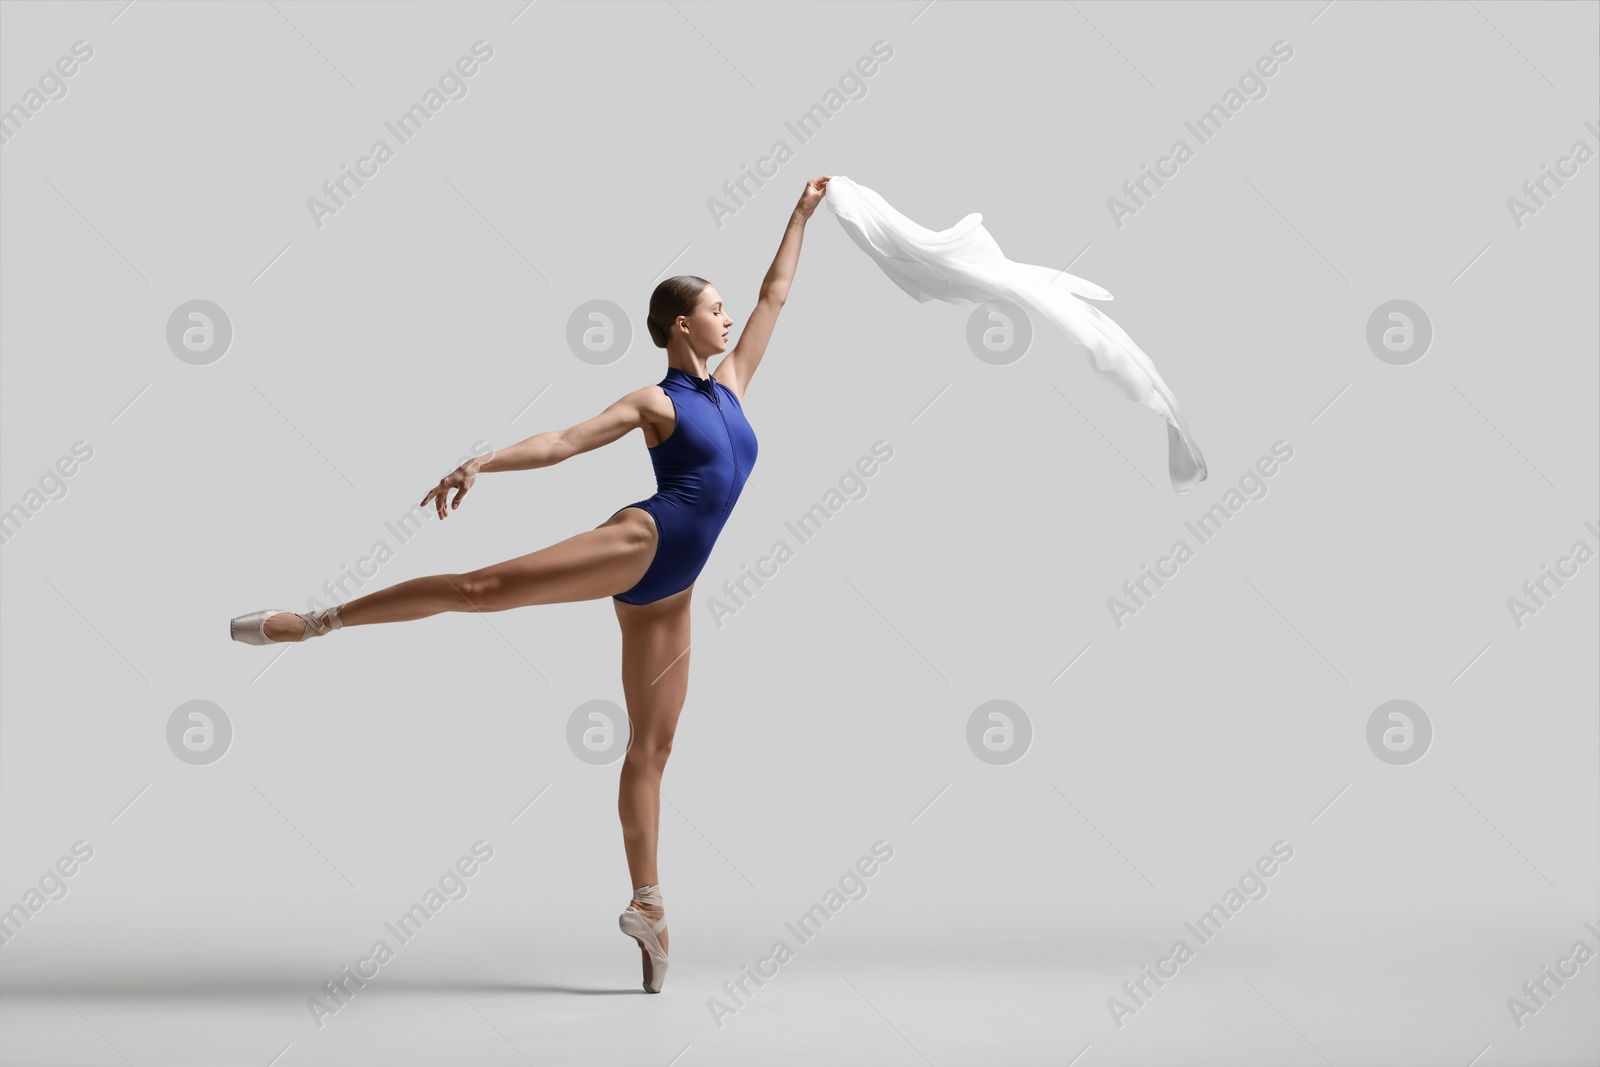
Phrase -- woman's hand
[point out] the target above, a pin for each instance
(812, 196)
(460, 480)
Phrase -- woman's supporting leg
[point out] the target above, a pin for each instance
(596, 563)
(655, 679)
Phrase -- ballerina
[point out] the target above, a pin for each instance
(646, 556)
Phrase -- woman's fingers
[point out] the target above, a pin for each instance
(813, 193)
(458, 480)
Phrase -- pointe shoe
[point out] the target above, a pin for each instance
(252, 628)
(636, 926)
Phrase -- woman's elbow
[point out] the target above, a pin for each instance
(560, 446)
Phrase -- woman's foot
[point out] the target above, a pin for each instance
(653, 914)
(274, 627)
(645, 922)
(285, 626)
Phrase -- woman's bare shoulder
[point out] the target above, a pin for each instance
(657, 414)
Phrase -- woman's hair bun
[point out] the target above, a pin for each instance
(675, 296)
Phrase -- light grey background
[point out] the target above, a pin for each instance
(831, 712)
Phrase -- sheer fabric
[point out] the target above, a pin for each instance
(963, 263)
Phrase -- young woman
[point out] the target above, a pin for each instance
(645, 556)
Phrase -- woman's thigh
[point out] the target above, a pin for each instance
(609, 559)
(655, 666)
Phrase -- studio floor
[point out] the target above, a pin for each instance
(1021, 979)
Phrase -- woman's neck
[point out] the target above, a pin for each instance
(685, 360)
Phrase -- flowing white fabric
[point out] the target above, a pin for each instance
(965, 263)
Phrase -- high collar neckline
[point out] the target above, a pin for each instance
(703, 383)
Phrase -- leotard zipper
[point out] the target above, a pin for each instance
(727, 505)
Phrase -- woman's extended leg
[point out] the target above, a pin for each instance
(655, 678)
(596, 563)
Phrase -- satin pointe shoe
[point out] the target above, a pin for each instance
(252, 628)
(636, 926)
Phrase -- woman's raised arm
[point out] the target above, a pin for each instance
(736, 371)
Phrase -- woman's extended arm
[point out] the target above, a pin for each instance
(548, 448)
(736, 371)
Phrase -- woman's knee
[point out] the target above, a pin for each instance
(650, 751)
(480, 590)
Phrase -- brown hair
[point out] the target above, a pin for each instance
(676, 296)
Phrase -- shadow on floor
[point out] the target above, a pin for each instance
(297, 986)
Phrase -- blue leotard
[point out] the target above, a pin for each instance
(700, 471)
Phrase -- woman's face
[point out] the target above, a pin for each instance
(709, 325)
